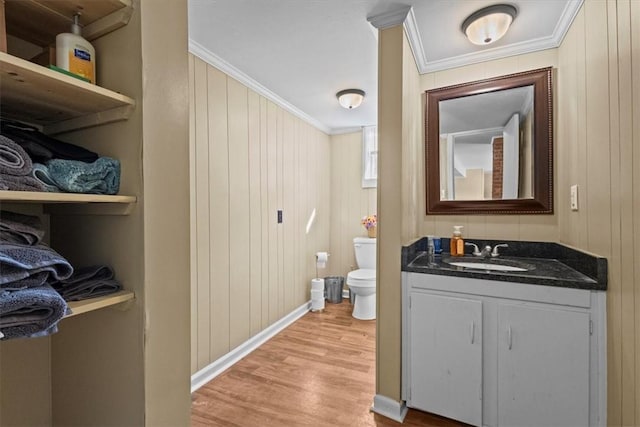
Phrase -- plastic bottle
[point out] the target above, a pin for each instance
(75, 54)
(457, 242)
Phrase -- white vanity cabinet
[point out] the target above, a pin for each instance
(504, 354)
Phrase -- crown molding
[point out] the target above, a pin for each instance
(389, 19)
(342, 131)
(415, 40)
(212, 59)
(424, 66)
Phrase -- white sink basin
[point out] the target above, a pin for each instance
(486, 266)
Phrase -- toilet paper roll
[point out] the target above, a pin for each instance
(317, 300)
(321, 259)
(317, 294)
(317, 284)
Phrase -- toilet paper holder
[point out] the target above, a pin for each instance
(321, 260)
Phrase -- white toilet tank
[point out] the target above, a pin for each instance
(365, 252)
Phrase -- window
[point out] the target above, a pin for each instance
(369, 157)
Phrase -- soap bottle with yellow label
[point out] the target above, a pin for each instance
(457, 243)
(75, 54)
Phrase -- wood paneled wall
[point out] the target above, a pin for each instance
(349, 202)
(250, 158)
(598, 128)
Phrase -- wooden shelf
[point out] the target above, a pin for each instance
(80, 307)
(58, 102)
(43, 197)
(39, 21)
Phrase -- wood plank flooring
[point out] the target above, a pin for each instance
(320, 371)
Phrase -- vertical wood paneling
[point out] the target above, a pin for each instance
(255, 212)
(264, 209)
(202, 212)
(218, 189)
(272, 179)
(349, 201)
(635, 89)
(239, 215)
(193, 216)
(250, 158)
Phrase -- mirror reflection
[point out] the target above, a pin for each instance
(486, 145)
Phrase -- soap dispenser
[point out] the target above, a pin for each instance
(75, 54)
(457, 243)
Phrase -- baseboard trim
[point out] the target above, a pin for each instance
(389, 408)
(211, 371)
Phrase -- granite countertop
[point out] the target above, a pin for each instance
(548, 264)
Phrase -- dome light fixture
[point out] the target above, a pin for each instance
(489, 24)
(350, 98)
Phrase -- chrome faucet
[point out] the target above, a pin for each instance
(495, 249)
(486, 252)
(476, 251)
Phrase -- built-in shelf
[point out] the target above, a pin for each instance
(80, 307)
(44, 197)
(39, 21)
(60, 103)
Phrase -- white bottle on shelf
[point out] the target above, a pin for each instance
(75, 54)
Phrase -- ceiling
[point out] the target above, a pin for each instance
(299, 53)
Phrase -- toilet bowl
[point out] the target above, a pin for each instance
(362, 282)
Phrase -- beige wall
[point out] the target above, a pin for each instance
(249, 159)
(598, 149)
(349, 202)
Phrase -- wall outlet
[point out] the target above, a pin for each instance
(279, 217)
(574, 197)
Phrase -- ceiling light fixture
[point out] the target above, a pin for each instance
(489, 24)
(350, 98)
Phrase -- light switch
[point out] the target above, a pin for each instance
(574, 197)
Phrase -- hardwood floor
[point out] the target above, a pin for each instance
(320, 371)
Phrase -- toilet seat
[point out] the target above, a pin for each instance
(362, 277)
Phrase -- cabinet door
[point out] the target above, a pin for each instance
(446, 356)
(543, 367)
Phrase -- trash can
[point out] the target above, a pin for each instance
(333, 286)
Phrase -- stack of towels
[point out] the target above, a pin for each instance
(33, 161)
(36, 281)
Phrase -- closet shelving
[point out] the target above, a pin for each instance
(60, 103)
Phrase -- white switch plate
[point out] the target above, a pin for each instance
(574, 197)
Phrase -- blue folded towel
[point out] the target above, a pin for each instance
(88, 282)
(31, 312)
(41, 173)
(19, 228)
(99, 177)
(18, 262)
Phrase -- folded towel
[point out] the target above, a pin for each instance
(33, 281)
(41, 173)
(13, 159)
(88, 282)
(30, 312)
(42, 147)
(19, 228)
(19, 183)
(99, 177)
(19, 262)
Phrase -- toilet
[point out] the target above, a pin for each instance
(362, 282)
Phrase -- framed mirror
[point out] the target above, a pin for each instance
(489, 146)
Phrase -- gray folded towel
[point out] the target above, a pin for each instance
(19, 228)
(13, 159)
(41, 173)
(20, 183)
(18, 262)
(99, 177)
(30, 312)
(88, 282)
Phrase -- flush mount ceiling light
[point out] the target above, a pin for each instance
(350, 98)
(489, 24)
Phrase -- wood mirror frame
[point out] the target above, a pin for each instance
(542, 201)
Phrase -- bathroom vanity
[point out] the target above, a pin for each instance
(506, 348)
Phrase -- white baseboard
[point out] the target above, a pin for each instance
(211, 371)
(389, 408)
